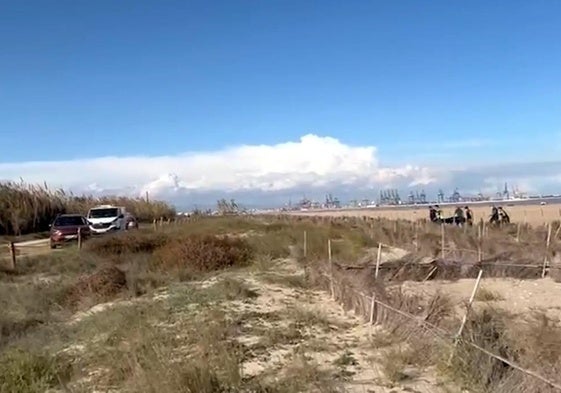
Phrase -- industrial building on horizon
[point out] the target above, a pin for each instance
(391, 197)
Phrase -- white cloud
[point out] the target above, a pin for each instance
(312, 163)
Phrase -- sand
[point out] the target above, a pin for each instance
(531, 214)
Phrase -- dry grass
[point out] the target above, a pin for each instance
(98, 287)
(486, 295)
(28, 208)
(29, 306)
(290, 281)
(198, 254)
(534, 344)
(127, 242)
(394, 363)
(489, 329)
(138, 348)
(25, 372)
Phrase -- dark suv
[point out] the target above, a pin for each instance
(65, 228)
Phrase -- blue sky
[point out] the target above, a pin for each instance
(426, 83)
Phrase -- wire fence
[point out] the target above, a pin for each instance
(450, 339)
(478, 235)
(447, 337)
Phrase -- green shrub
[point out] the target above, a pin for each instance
(28, 372)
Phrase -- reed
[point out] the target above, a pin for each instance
(27, 208)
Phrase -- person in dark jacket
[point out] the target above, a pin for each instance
(503, 216)
(459, 218)
(432, 214)
(469, 216)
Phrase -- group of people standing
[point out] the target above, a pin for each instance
(465, 216)
(499, 216)
(460, 217)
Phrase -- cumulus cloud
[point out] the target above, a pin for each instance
(313, 161)
(311, 164)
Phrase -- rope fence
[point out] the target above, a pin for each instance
(451, 340)
(448, 338)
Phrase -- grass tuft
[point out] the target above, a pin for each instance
(487, 295)
(29, 372)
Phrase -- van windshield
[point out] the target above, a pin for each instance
(103, 213)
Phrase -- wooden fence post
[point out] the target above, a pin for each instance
(79, 238)
(417, 236)
(434, 269)
(154, 224)
(378, 260)
(13, 255)
(442, 240)
(547, 243)
(373, 309)
(518, 233)
(557, 232)
(330, 259)
(305, 244)
(464, 319)
(479, 240)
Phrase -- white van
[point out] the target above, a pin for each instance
(107, 218)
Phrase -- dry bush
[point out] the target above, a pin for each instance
(229, 289)
(487, 295)
(28, 208)
(538, 345)
(102, 285)
(303, 375)
(395, 361)
(127, 242)
(534, 344)
(203, 253)
(474, 368)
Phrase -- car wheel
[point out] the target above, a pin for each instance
(53, 245)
